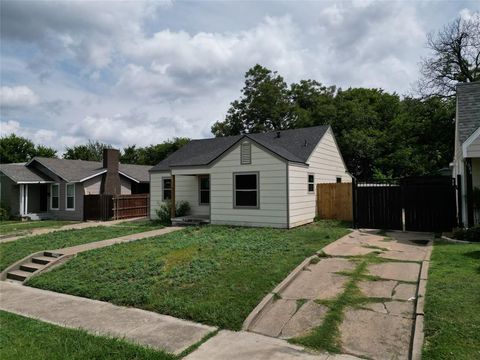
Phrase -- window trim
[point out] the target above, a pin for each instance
(51, 196)
(249, 144)
(310, 183)
(234, 195)
(66, 197)
(199, 179)
(163, 188)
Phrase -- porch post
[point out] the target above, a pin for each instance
(20, 199)
(26, 199)
(468, 174)
(173, 210)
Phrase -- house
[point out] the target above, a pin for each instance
(266, 179)
(55, 188)
(466, 163)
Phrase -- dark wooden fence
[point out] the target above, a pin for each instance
(110, 207)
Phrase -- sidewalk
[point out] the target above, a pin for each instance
(82, 225)
(101, 318)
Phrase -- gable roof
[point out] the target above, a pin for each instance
(19, 174)
(81, 170)
(293, 145)
(468, 109)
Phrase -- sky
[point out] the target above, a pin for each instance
(141, 72)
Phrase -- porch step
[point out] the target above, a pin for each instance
(18, 275)
(31, 267)
(52, 254)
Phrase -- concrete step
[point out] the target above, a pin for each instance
(31, 267)
(43, 260)
(51, 254)
(18, 275)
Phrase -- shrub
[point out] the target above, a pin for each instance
(471, 234)
(4, 214)
(182, 208)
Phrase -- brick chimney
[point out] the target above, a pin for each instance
(111, 179)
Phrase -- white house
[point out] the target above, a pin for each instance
(263, 179)
(466, 162)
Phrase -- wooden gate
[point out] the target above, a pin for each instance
(412, 204)
(334, 201)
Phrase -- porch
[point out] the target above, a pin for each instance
(193, 189)
(33, 201)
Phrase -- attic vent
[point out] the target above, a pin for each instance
(246, 153)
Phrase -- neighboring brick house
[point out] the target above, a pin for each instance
(55, 188)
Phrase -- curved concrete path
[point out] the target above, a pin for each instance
(101, 318)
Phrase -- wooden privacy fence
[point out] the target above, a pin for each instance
(334, 201)
(108, 207)
(130, 206)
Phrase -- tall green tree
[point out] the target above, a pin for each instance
(153, 154)
(92, 151)
(15, 148)
(263, 105)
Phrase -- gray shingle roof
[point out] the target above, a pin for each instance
(294, 145)
(20, 173)
(77, 170)
(468, 109)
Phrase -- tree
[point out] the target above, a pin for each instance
(19, 149)
(93, 151)
(455, 57)
(130, 155)
(153, 154)
(264, 105)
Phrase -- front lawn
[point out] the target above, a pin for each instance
(13, 228)
(15, 250)
(452, 308)
(214, 274)
(29, 339)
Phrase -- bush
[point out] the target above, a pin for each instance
(182, 208)
(471, 234)
(4, 214)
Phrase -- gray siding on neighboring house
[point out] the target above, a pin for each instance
(326, 164)
(125, 186)
(10, 194)
(62, 212)
(92, 186)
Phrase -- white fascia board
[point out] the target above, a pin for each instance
(469, 141)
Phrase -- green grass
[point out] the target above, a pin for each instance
(18, 249)
(214, 274)
(13, 228)
(452, 303)
(24, 338)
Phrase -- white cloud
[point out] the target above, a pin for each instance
(17, 96)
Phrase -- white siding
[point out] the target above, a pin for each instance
(125, 186)
(92, 186)
(186, 189)
(326, 164)
(473, 150)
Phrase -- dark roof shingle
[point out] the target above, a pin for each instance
(468, 109)
(20, 173)
(294, 145)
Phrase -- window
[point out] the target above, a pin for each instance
(204, 189)
(70, 197)
(245, 190)
(54, 196)
(167, 189)
(311, 183)
(246, 153)
(339, 179)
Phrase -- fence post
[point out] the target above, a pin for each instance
(354, 202)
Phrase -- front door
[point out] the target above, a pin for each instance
(44, 197)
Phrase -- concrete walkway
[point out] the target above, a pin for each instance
(381, 329)
(38, 262)
(142, 327)
(81, 225)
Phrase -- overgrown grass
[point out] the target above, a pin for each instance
(14, 228)
(18, 249)
(452, 303)
(214, 274)
(29, 339)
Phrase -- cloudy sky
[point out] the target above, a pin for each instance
(139, 72)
